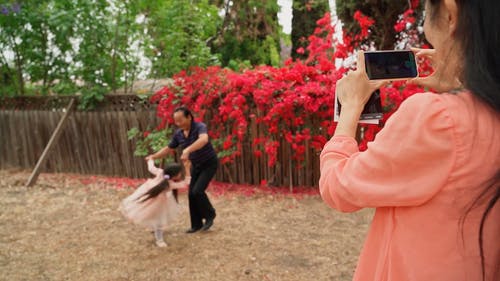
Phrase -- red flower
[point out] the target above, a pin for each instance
(406, 19)
(228, 143)
(225, 160)
(365, 23)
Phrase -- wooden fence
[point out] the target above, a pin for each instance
(95, 142)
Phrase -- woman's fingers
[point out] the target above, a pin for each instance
(377, 84)
(355, 88)
(425, 53)
(421, 81)
(361, 61)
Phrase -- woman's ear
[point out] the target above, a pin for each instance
(451, 9)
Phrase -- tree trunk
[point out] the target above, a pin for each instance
(19, 71)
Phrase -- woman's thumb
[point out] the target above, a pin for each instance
(420, 81)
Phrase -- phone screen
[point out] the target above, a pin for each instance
(390, 64)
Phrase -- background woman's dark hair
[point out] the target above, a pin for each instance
(172, 169)
(185, 111)
(478, 35)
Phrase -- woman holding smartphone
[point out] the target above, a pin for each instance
(433, 171)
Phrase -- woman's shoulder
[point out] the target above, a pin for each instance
(199, 124)
(451, 104)
(462, 99)
(462, 110)
(422, 107)
(424, 114)
(425, 98)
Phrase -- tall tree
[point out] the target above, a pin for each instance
(305, 13)
(250, 32)
(91, 47)
(385, 13)
(179, 32)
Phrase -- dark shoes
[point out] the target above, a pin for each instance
(193, 230)
(208, 223)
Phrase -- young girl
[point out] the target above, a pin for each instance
(154, 204)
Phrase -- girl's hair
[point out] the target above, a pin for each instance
(477, 33)
(185, 111)
(171, 170)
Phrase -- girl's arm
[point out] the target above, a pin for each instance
(177, 185)
(187, 167)
(153, 169)
(160, 154)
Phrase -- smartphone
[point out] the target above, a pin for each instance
(390, 65)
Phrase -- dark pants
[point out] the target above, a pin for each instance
(199, 205)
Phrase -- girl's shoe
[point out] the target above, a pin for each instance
(161, 243)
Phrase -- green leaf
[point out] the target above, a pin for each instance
(132, 133)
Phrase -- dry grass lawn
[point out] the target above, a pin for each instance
(62, 229)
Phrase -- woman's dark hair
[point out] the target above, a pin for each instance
(185, 111)
(478, 35)
(172, 170)
(489, 195)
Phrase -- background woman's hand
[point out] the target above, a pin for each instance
(187, 167)
(354, 90)
(185, 155)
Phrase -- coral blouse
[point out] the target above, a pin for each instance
(423, 170)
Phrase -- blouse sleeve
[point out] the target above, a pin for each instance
(153, 169)
(407, 164)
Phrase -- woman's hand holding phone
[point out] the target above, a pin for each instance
(353, 91)
(439, 80)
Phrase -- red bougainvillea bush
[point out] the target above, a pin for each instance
(292, 105)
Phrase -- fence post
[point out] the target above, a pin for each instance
(53, 139)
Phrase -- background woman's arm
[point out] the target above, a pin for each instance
(199, 143)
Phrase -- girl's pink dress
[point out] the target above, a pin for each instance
(155, 213)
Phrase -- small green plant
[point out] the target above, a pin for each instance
(91, 97)
(149, 142)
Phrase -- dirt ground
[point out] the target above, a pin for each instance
(63, 229)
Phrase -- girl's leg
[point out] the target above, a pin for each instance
(159, 238)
